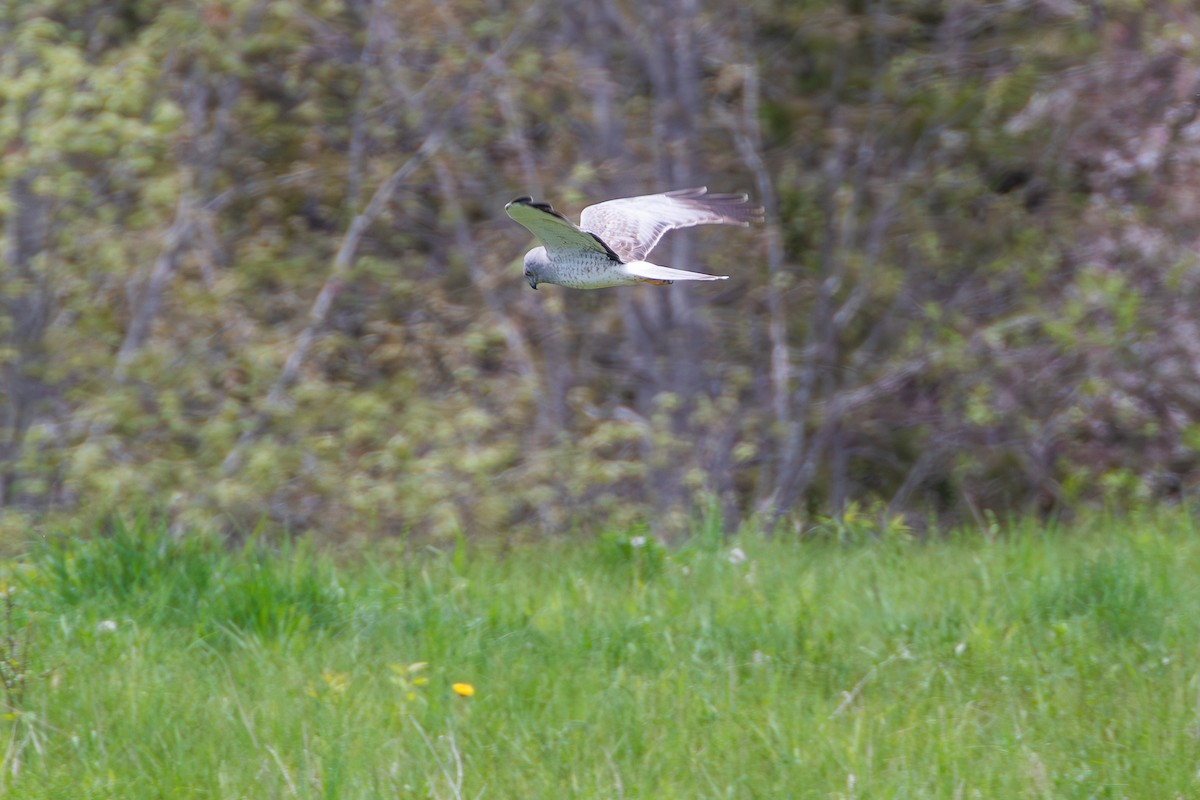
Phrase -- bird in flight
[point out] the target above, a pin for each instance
(609, 245)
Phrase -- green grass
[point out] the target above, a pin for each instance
(1037, 664)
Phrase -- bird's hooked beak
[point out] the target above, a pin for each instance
(532, 281)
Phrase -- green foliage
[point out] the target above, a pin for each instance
(982, 299)
(17, 667)
(964, 665)
(1108, 590)
(858, 525)
(191, 581)
(636, 552)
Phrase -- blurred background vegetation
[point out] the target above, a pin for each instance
(255, 263)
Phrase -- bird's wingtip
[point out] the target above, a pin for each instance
(526, 200)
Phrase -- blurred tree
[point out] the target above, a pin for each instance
(254, 261)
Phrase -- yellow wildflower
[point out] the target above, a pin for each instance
(463, 689)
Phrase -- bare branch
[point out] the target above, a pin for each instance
(174, 241)
(748, 140)
(342, 262)
(474, 259)
(348, 251)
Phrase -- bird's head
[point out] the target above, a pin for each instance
(536, 265)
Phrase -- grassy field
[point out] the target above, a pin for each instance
(1030, 664)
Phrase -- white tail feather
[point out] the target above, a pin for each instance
(653, 272)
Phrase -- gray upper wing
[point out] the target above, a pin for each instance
(632, 226)
(558, 234)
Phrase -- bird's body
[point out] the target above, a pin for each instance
(609, 246)
(587, 269)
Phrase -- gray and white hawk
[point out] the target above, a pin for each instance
(609, 245)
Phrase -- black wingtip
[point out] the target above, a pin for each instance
(526, 200)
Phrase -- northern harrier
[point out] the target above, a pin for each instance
(612, 239)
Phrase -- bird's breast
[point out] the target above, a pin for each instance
(590, 270)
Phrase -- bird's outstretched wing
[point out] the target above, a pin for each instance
(632, 226)
(558, 234)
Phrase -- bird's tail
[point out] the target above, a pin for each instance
(653, 273)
